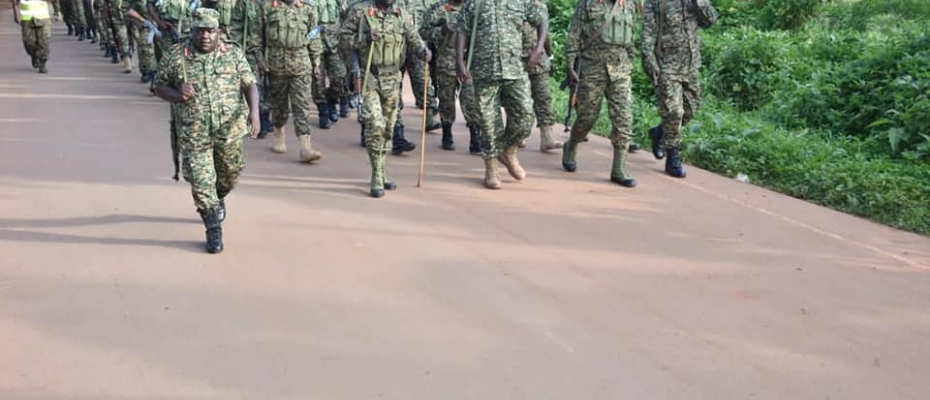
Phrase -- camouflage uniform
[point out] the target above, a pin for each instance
(601, 35)
(246, 19)
(441, 40)
(79, 18)
(398, 39)
(500, 78)
(671, 51)
(178, 14)
(113, 22)
(328, 91)
(212, 123)
(414, 68)
(291, 58)
(145, 50)
(540, 86)
(36, 30)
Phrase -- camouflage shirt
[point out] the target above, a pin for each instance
(433, 30)
(225, 7)
(330, 15)
(500, 28)
(175, 11)
(286, 28)
(358, 25)
(218, 78)
(590, 26)
(416, 9)
(677, 51)
(245, 20)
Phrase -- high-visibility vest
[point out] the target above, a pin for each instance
(29, 9)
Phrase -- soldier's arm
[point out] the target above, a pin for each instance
(168, 79)
(348, 32)
(257, 43)
(575, 32)
(237, 22)
(429, 23)
(315, 45)
(537, 15)
(650, 21)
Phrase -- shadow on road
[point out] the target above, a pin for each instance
(9, 235)
(89, 221)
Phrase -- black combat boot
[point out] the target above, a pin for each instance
(323, 112)
(474, 139)
(634, 147)
(400, 144)
(35, 62)
(42, 69)
(214, 230)
(81, 34)
(70, 29)
(655, 135)
(114, 56)
(221, 210)
(673, 163)
(447, 142)
(343, 106)
(107, 51)
(333, 112)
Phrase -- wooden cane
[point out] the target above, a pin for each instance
(426, 84)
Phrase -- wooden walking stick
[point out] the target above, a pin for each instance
(426, 84)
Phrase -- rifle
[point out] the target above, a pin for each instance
(175, 149)
(573, 92)
(357, 85)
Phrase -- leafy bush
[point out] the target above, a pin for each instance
(784, 14)
(750, 68)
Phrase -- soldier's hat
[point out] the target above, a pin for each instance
(206, 18)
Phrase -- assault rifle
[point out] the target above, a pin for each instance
(572, 94)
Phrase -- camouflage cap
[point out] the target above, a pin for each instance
(206, 18)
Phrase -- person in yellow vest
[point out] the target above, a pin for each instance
(34, 18)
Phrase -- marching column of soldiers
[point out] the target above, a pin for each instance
(273, 59)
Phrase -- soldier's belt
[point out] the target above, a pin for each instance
(384, 70)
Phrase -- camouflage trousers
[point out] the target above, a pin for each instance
(379, 111)
(679, 99)
(56, 7)
(213, 172)
(145, 51)
(334, 71)
(614, 83)
(446, 85)
(118, 36)
(67, 11)
(36, 35)
(514, 96)
(100, 25)
(542, 99)
(415, 70)
(291, 94)
(79, 16)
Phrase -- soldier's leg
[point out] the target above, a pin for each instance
(518, 103)
(68, 14)
(229, 159)
(590, 95)
(80, 23)
(378, 132)
(336, 71)
(279, 102)
(301, 99)
(43, 36)
(488, 105)
(671, 109)
(470, 113)
(542, 108)
(56, 8)
(691, 99)
(399, 143)
(619, 106)
(446, 84)
(200, 170)
(121, 39)
(318, 96)
(28, 31)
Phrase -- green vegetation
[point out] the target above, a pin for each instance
(827, 101)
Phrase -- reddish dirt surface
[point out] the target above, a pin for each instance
(563, 286)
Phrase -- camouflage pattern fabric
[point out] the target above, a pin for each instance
(333, 66)
(247, 18)
(539, 76)
(606, 69)
(116, 26)
(145, 51)
(211, 125)
(414, 67)
(67, 11)
(433, 29)
(675, 58)
(500, 27)
(291, 94)
(80, 18)
(36, 35)
(498, 72)
(290, 65)
(382, 95)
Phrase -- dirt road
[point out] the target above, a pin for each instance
(560, 287)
